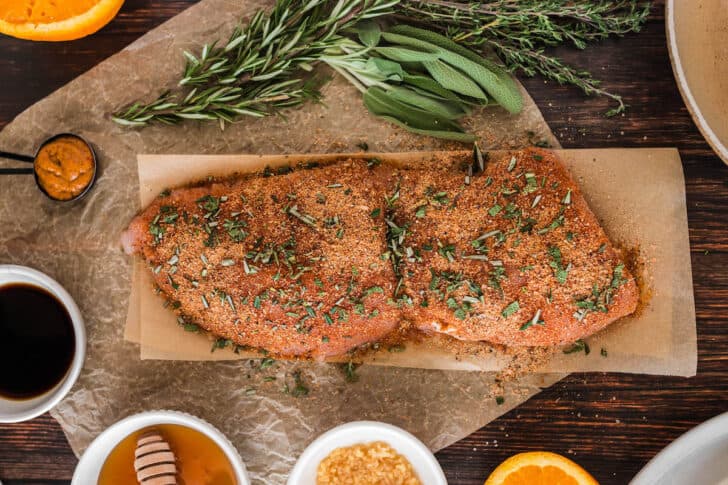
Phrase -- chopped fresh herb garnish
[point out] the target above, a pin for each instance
(305, 218)
(578, 346)
(421, 211)
(512, 211)
(235, 230)
(447, 251)
(497, 274)
(392, 199)
(209, 203)
(512, 308)
(536, 320)
(299, 388)
(511, 164)
(602, 248)
(375, 213)
(441, 198)
(331, 221)
(372, 290)
(600, 299)
(617, 278)
(499, 400)
(266, 362)
(221, 343)
(567, 198)
(493, 211)
(350, 371)
(560, 272)
(531, 184)
(556, 222)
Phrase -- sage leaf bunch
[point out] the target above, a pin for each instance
(421, 80)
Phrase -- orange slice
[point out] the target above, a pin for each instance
(55, 20)
(539, 468)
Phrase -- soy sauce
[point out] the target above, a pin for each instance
(37, 341)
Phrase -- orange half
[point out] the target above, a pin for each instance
(539, 468)
(55, 20)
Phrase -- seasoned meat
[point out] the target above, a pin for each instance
(319, 261)
(515, 258)
(287, 263)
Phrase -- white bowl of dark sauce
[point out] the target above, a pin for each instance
(42, 343)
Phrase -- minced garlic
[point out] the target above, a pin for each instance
(374, 463)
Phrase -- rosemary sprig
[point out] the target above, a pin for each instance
(520, 31)
(261, 68)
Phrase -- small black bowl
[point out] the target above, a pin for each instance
(93, 157)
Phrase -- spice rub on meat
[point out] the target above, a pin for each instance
(319, 261)
(287, 263)
(515, 257)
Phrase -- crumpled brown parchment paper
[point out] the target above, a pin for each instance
(78, 245)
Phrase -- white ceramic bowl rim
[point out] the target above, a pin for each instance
(421, 458)
(658, 469)
(14, 411)
(89, 466)
(720, 148)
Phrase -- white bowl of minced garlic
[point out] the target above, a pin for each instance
(367, 453)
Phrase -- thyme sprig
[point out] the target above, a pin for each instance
(261, 68)
(520, 31)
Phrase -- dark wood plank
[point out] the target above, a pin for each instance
(610, 423)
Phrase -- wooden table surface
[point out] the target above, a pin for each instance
(611, 424)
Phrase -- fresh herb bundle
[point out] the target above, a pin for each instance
(419, 79)
(520, 31)
(260, 68)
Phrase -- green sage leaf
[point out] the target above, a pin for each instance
(496, 81)
(444, 109)
(369, 33)
(454, 80)
(429, 85)
(381, 103)
(445, 135)
(389, 69)
(400, 54)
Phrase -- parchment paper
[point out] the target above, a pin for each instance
(78, 245)
(659, 339)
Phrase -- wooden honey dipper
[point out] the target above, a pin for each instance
(154, 460)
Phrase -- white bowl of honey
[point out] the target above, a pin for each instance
(167, 447)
